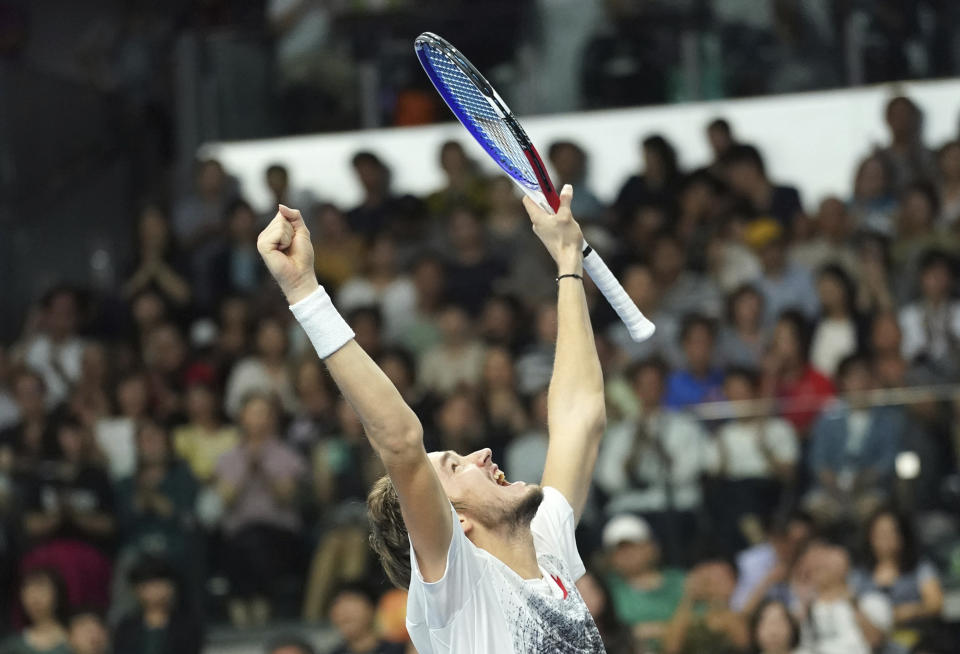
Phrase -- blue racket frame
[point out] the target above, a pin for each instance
(535, 180)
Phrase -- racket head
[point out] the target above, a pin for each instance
(480, 109)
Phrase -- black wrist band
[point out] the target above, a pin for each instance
(580, 277)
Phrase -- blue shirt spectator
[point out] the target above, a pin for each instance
(699, 381)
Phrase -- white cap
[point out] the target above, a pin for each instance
(626, 528)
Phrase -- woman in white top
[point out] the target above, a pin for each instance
(836, 335)
(267, 371)
(753, 458)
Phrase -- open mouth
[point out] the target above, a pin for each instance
(501, 478)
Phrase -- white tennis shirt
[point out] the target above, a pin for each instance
(481, 606)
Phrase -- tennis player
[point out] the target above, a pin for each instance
(491, 566)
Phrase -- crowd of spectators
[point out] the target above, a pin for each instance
(779, 457)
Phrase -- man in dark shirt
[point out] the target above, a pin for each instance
(746, 173)
(159, 626)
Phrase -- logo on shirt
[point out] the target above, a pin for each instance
(560, 583)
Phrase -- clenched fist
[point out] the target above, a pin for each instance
(285, 247)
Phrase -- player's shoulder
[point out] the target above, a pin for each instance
(554, 501)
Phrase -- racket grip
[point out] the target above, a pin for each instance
(638, 325)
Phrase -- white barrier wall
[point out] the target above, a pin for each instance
(812, 140)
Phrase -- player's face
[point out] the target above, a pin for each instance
(477, 487)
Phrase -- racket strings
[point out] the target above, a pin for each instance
(489, 126)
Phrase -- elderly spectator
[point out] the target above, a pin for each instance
(652, 465)
(644, 594)
(258, 482)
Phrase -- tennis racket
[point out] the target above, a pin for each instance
(485, 115)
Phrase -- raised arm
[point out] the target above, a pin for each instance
(576, 412)
(391, 426)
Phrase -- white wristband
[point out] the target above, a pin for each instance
(324, 325)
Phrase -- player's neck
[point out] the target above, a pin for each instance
(514, 547)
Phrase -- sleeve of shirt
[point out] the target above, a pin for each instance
(553, 530)
(444, 598)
